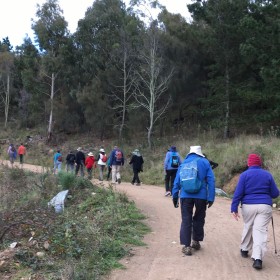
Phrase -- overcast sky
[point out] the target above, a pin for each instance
(16, 15)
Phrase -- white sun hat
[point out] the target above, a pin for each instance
(90, 154)
(102, 150)
(196, 150)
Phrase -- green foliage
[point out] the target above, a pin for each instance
(97, 228)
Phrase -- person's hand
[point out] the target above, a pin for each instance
(175, 202)
(235, 215)
(209, 203)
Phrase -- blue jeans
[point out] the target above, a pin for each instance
(192, 226)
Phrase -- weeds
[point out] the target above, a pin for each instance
(97, 228)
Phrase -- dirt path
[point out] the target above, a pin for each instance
(219, 257)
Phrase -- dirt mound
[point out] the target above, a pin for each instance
(230, 186)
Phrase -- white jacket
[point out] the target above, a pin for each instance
(100, 162)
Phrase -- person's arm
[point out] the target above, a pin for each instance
(166, 160)
(238, 194)
(132, 159)
(210, 179)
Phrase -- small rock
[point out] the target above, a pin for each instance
(13, 245)
(40, 254)
(46, 245)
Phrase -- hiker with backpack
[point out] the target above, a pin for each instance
(116, 162)
(101, 162)
(171, 164)
(137, 165)
(255, 190)
(57, 162)
(195, 186)
(70, 162)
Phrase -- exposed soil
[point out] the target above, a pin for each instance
(219, 257)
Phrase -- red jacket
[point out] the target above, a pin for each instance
(21, 150)
(89, 161)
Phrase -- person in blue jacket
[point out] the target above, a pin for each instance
(116, 162)
(255, 190)
(192, 225)
(172, 162)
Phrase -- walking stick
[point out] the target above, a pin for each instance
(273, 235)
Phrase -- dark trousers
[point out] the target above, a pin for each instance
(109, 172)
(192, 226)
(21, 159)
(80, 166)
(169, 179)
(135, 176)
(89, 171)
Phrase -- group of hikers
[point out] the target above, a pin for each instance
(13, 152)
(77, 161)
(191, 183)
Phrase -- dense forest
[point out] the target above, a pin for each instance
(124, 73)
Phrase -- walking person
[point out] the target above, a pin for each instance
(12, 153)
(89, 163)
(80, 162)
(21, 152)
(70, 162)
(255, 190)
(57, 162)
(171, 164)
(101, 162)
(116, 162)
(109, 169)
(137, 166)
(195, 181)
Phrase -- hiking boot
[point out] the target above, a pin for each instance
(119, 180)
(257, 264)
(167, 193)
(187, 250)
(244, 254)
(132, 183)
(138, 184)
(196, 245)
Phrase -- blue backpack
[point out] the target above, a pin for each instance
(174, 160)
(189, 180)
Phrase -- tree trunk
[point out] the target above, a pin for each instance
(124, 97)
(226, 127)
(51, 111)
(7, 100)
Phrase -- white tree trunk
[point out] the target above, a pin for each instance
(7, 100)
(51, 110)
(227, 103)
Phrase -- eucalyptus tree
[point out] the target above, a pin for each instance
(52, 36)
(6, 69)
(28, 83)
(153, 78)
(222, 38)
(261, 54)
(103, 42)
(183, 51)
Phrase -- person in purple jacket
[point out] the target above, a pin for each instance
(255, 190)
